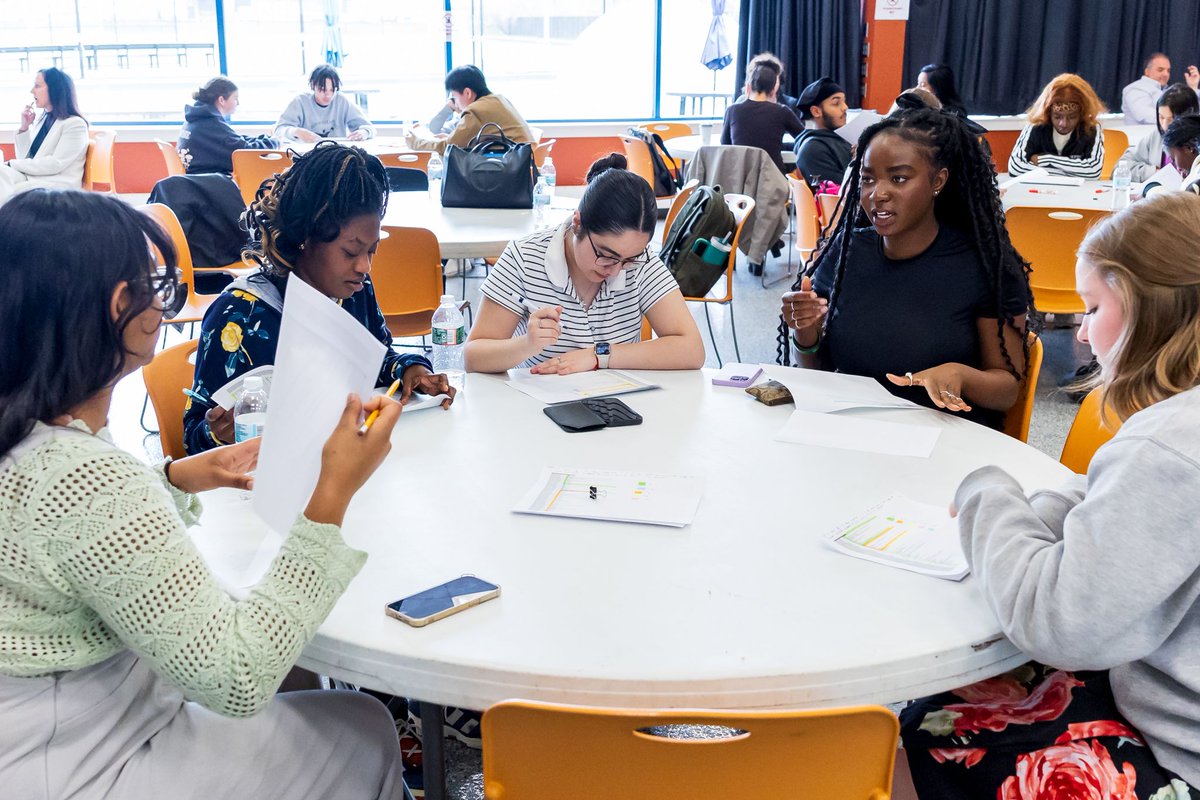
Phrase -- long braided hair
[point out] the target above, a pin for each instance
(312, 200)
(969, 202)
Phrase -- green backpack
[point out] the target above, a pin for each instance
(704, 216)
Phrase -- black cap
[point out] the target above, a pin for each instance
(816, 93)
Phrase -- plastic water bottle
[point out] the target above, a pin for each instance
(435, 175)
(250, 413)
(541, 200)
(449, 339)
(549, 173)
(1121, 178)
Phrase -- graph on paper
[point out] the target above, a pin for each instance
(903, 533)
(615, 496)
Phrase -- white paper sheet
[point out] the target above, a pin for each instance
(857, 124)
(903, 533)
(827, 392)
(854, 432)
(1168, 177)
(614, 496)
(552, 389)
(1035, 174)
(323, 355)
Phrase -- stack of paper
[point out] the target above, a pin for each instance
(903, 533)
(552, 389)
(614, 496)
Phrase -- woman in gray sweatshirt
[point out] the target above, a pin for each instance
(1097, 582)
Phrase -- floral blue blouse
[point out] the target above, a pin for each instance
(240, 332)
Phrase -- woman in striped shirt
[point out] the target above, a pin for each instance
(1063, 135)
(571, 298)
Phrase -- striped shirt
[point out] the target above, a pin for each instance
(1083, 166)
(535, 267)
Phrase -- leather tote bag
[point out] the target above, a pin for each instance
(493, 171)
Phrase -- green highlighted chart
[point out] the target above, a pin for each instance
(616, 496)
(903, 533)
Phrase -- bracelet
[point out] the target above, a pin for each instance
(808, 351)
(167, 469)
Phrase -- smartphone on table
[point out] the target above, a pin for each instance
(741, 375)
(453, 596)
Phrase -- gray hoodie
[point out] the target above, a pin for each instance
(337, 120)
(1105, 573)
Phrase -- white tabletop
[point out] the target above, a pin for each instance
(744, 608)
(686, 146)
(1092, 195)
(470, 232)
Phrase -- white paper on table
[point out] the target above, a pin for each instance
(1035, 174)
(903, 533)
(1168, 178)
(854, 432)
(824, 392)
(323, 355)
(859, 123)
(614, 496)
(553, 389)
(228, 395)
(417, 402)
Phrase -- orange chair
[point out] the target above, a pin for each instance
(407, 274)
(668, 130)
(194, 309)
(539, 751)
(637, 154)
(1016, 419)
(685, 192)
(1115, 144)
(99, 168)
(808, 220)
(541, 151)
(1091, 428)
(418, 159)
(252, 167)
(741, 205)
(1048, 238)
(166, 377)
(171, 158)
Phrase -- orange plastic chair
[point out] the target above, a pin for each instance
(544, 751)
(1090, 429)
(1048, 239)
(1115, 144)
(99, 168)
(252, 167)
(407, 274)
(741, 205)
(1016, 419)
(166, 377)
(637, 154)
(195, 307)
(685, 192)
(668, 130)
(415, 160)
(541, 151)
(171, 158)
(808, 221)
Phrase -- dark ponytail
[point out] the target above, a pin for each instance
(615, 199)
(215, 88)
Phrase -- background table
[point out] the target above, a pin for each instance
(1091, 195)
(685, 147)
(471, 232)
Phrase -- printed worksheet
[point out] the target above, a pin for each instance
(614, 496)
(903, 533)
(553, 389)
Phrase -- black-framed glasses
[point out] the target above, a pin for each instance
(171, 295)
(612, 261)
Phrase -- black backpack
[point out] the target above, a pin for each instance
(667, 179)
(704, 216)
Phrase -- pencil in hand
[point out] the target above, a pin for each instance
(366, 426)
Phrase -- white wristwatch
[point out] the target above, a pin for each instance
(603, 351)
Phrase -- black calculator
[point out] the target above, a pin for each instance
(613, 411)
(592, 414)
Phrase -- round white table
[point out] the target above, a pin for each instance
(471, 232)
(685, 147)
(1092, 194)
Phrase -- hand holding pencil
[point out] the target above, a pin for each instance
(366, 426)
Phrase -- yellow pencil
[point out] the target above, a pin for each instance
(366, 426)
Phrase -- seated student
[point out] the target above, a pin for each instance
(771, 60)
(1182, 142)
(1138, 99)
(207, 141)
(477, 106)
(320, 220)
(1148, 156)
(323, 113)
(1063, 135)
(126, 671)
(589, 282)
(50, 148)
(760, 121)
(938, 80)
(822, 155)
(1096, 581)
(913, 99)
(930, 300)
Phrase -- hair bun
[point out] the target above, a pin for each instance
(601, 165)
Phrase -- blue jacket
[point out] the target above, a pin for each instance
(207, 141)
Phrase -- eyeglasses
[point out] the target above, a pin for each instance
(610, 261)
(171, 296)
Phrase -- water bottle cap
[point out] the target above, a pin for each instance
(254, 384)
(447, 299)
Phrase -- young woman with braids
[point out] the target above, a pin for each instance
(321, 220)
(931, 298)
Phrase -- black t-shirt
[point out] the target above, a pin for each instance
(760, 123)
(907, 315)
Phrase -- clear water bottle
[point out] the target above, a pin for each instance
(250, 413)
(541, 200)
(1121, 178)
(550, 174)
(435, 175)
(449, 340)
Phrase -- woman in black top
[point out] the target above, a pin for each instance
(938, 79)
(759, 120)
(919, 286)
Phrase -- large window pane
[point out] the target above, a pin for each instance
(686, 81)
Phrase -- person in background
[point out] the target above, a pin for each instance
(913, 99)
(771, 60)
(760, 121)
(939, 80)
(207, 141)
(324, 113)
(319, 219)
(1139, 99)
(1182, 143)
(572, 298)
(51, 147)
(477, 106)
(1147, 156)
(1097, 581)
(1063, 135)
(126, 670)
(822, 155)
(445, 120)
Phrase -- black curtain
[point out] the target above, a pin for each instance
(1004, 51)
(811, 37)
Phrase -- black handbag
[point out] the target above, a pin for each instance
(493, 171)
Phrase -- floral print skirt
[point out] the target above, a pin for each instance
(1035, 733)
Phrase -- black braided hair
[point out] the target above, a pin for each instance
(970, 202)
(312, 200)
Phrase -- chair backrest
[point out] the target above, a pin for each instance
(541, 151)
(668, 130)
(99, 167)
(403, 179)
(252, 167)
(1115, 144)
(533, 750)
(166, 377)
(1089, 430)
(407, 273)
(1016, 419)
(808, 224)
(171, 158)
(165, 217)
(637, 156)
(685, 192)
(1048, 238)
(414, 160)
(741, 205)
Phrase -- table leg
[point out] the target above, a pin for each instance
(432, 752)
